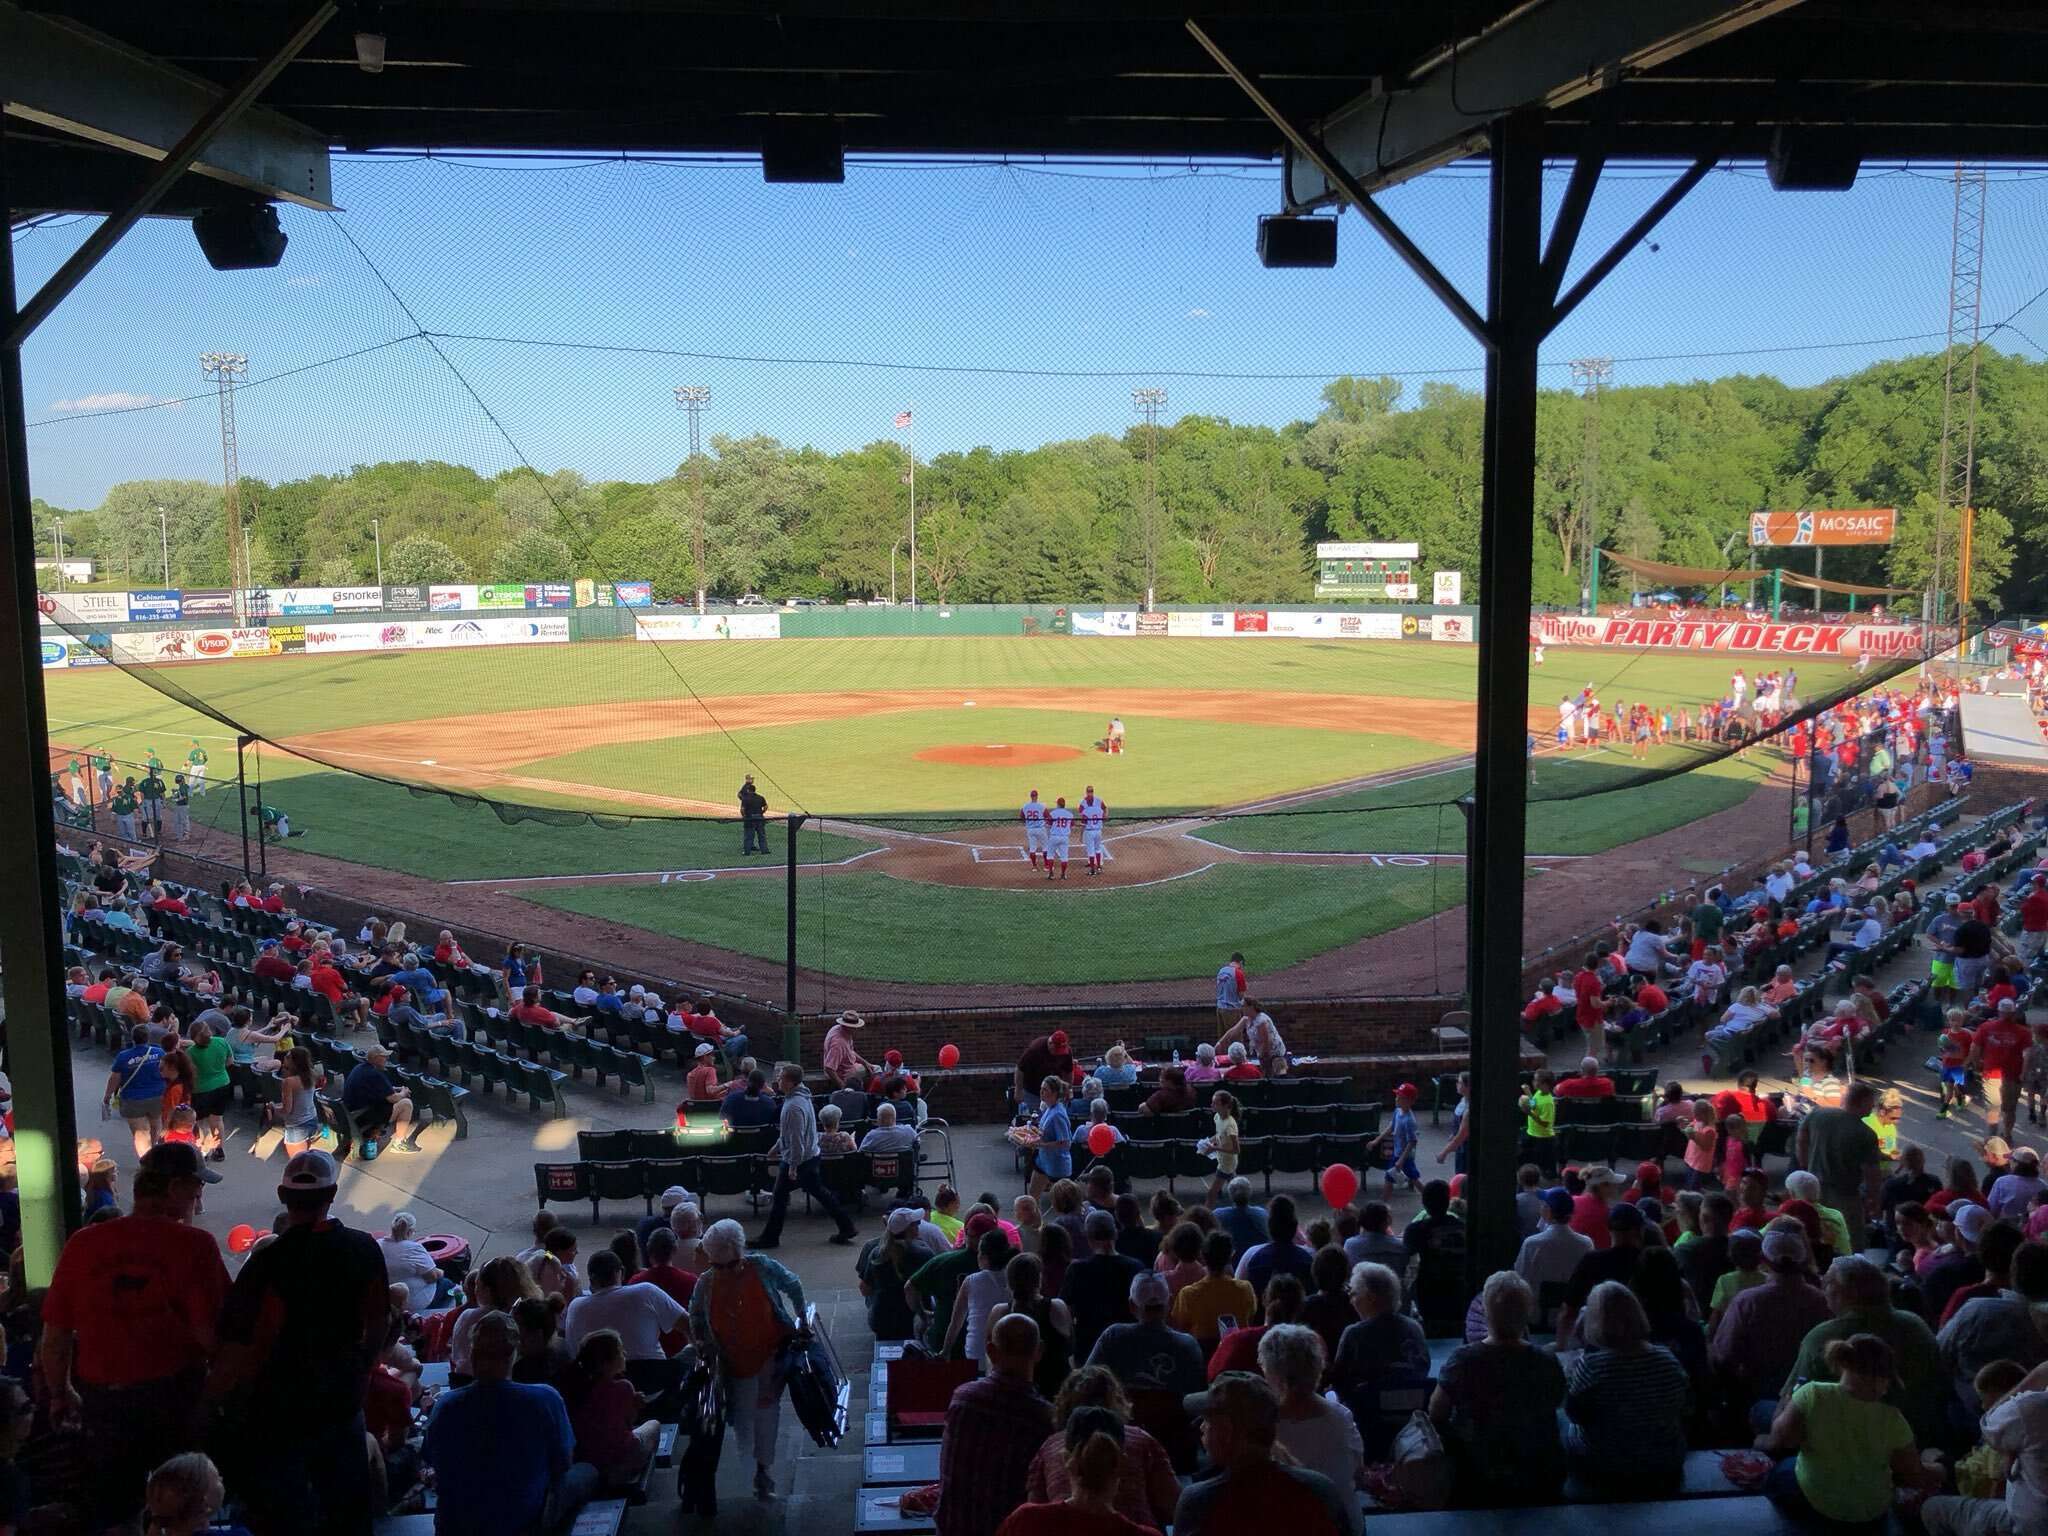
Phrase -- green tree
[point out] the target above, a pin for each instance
(534, 555)
(1927, 551)
(417, 559)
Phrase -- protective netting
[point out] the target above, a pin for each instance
(469, 659)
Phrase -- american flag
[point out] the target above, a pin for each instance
(902, 419)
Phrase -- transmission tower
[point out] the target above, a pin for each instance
(1955, 479)
(1591, 374)
(691, 399)
(1148, 403)
(224, 368)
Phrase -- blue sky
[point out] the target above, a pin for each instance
(1098, 278)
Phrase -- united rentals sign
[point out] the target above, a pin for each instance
(1812, 527)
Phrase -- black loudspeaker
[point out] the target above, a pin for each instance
(235, 239)
(1292, 242)
(1812, 159)
(802, 149)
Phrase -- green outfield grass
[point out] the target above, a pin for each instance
(876, 926)
(1420, 815)
(869, 764)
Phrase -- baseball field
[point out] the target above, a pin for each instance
(1285, 797)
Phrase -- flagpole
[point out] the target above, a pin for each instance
(910, 440)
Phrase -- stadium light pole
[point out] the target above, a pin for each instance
(163, 528)
(377, 537)
(691, 399)
(58, 541)
(1148, 403)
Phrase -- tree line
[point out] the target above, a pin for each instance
(1207, 511)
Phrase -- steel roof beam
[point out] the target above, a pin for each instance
(1546, 54)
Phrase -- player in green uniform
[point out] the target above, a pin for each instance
(195, 769)
(153, 802)
(103, 767)
(123, 804)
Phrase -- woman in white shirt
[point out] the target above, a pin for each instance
(1319, 1434)
(979, 1294)
(407, 1263)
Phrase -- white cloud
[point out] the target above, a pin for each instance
(1198, 314)
(305, 280)
(109, 400)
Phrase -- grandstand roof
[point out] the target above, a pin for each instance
(1103, 76)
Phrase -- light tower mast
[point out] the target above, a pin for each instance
(1955, 480)
(225, 368)
(691, 399)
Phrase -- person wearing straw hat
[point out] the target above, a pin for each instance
(843, 1063)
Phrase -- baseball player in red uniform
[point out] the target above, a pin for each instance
(1093, 814)
(1059, 828)
(1032, 814)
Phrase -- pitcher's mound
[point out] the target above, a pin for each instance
(998, 755)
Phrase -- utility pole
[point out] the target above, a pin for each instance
(1955, 481)
(691, 399)
(60, 551)
(377, 536)
(224, 368)
(1148, 403)
(163, 528)
(1591, 374)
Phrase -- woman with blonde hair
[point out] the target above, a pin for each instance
(1117, 1069)
(498, 1287)
(1146, 1488)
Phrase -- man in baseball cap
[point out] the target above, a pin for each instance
(304, 1321)
(375, 1104)
(1249, 1490)
(1046, 1056)
(1768, 1322)
(1146, 1353)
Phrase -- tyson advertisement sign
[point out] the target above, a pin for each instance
(1850, 640)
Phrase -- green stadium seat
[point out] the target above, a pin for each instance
(616, 1181)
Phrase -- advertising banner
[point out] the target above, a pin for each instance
(78, 655)
(208, 602)
(1453, 626)
(154, 603)
(356, 599)
(324, 638)
(1402, 591)
(634, 594)
(501, 595)
(1414, 628)
(1247, 621)
(1335, 626)
(1198, 623)
(212, 644)
(1115, 621)
(450, 599)
(77, 609)
(405, 599)
(1151, 623)
(55, 654)
(586, 592)
(1447, 588)
(550, 594)
(257, 642)
(293, 600)
(1879, 641)
(1816, 527)
(287, 639)
(707, 626)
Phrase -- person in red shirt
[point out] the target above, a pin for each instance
(1240, 1070)
(294, 941)
(1588, 1011)
(1744, 1101)
(273, 899)
(1652, 998)
(1986, 904)
(2034, 919)
(273, 966)
(129, 1322)
(528, 1010)
(1589, 1210)
(1587, 1083)
(663, 1271)
(165, 902)
(97, 992)
(1542, 1006)
(1996, 1051)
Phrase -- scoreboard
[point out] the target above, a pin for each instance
(1372, 573)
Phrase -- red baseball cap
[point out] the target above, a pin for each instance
(1407, 1091)
(1057, 1040)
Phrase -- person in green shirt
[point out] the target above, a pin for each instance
(123, 804)
(211, 1091)
(1802, 818)
(1851, 1444)
(1540, 1129)
(1861, 1297)
(936, 1285)
(150, 761)
(103, 766)
(1706, 918)
(152, 790)
(195, 768)
(77, 782)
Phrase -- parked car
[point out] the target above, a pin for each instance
(751, 600)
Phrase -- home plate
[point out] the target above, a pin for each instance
(967, 703)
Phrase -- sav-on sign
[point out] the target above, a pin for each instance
(1813, 527)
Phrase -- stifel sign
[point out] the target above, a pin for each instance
(1801, 530)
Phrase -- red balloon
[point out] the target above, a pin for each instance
(241, 1239)
(1457, 1186)
(949, 1055)
(1100, 1139)
(1339, 1184)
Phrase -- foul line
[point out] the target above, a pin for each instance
(1380, 853)
(773, 866)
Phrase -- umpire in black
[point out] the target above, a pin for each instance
(753, 818)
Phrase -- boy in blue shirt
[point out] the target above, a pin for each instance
(1405, 1134)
